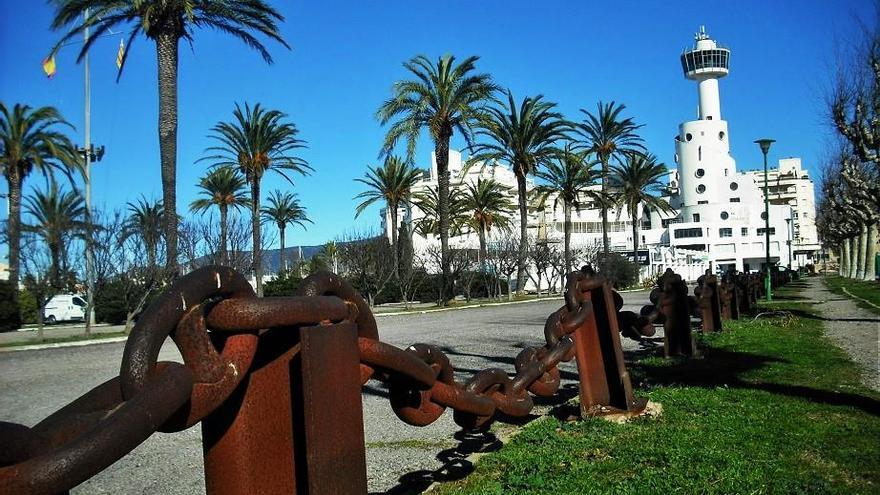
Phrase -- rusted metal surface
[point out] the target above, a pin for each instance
(672, 307)
(708, 295)
(276, 384)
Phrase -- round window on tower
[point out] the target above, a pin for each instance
(763, 215)
(724, 215)
(734, 186)
(700, 172)
(688, 136)
(701, 189)
(721, 135)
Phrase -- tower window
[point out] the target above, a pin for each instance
(734, 200)
(688, 136)
(696, 217)
(734, 186)
(701, 189)
(725, 172)
(708, 117)
(744, 231)
(703, 202)
(699, 153)
(721, 135)
(724, 215)
(700, 172)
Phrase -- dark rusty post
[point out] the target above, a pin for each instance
(605, 385)
(297, 420)
(709, 301)
(675, 306)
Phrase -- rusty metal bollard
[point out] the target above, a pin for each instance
(729, 295)
(710, 303)
(605, 385)
(672, 307)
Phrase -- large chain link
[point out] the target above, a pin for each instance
(216, 321)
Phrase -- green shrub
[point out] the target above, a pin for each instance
(10, 315)
(619, 270)
(27, 306)
(284, 285)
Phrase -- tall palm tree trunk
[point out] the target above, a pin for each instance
(635, 227)
(843, 262)
(224, 215)
(606, 243)
(282, 260)
(523, 232)
(55, 269)
(566, 239)
(14, 227)
(255, 218)
(166, 51)
(441, 154)
(395, 258)
(482, 248)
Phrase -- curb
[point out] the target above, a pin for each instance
(481, 305)
(850, 294)
(55, 345)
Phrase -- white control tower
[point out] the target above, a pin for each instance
(705, 168)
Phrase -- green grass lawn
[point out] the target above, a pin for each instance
(773, 408)
(869, 291)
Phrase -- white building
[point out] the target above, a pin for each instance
(718, 221)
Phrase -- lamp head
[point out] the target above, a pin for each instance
(765, 144)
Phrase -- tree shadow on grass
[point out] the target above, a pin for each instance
(719, 367)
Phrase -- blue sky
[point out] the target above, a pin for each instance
(346, 55)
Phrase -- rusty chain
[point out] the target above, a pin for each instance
(215, 320)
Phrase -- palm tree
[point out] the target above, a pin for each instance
(569, 179)
(330, 254)
(56, 216)
(608, 135)
(256, 141)
(393, 183)
(284, 209)
(488, 204)
(638, 180)
(222, 187)
(29, 141)
(443, 97)
(428, 200)
(526, 138)
(166, 22)
(146, 220)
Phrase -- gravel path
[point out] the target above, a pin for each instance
(400, 458)
(854, 329)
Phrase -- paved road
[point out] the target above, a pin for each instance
(400, 458)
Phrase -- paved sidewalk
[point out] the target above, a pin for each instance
(854, 329)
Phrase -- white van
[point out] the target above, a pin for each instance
(64, 307)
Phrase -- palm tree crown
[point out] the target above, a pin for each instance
(393, 183)
(639, 180)
(258, 140)
(145, 221)
(442, 98)
(56, 216)
(608, 135)
(165, 22)
(429, 224)
(524, 136)
(222, 187)
(284, 209)
(569, 178)
(29, 140)
(488, 204)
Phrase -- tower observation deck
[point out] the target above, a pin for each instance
(706, 62)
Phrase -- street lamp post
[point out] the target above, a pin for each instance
(765, 148)
(788, 241)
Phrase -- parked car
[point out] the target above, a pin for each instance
(64, 307)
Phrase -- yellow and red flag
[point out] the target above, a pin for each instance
(120, 54)
(49, 66)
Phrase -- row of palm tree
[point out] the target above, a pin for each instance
(445, 97)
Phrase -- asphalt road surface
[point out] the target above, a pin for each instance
(400, 458)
